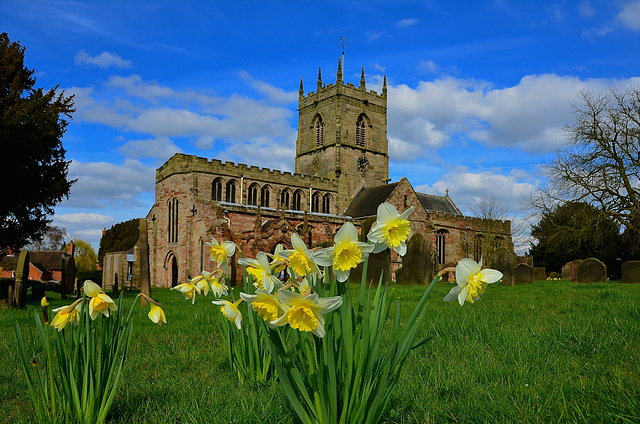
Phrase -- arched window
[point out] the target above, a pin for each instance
(252, 195)
(285, 198)
(326, 203)
(477, 247)
(264, 196)
(361, 131)
(172, 220)
(319, 131)
(441, 237)
(230, 192)
(216, 190)
(297, 200)
(315, 202)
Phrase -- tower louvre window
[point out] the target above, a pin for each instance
(361, 131)
(319, 127)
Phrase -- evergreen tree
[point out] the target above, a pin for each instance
(34, 165)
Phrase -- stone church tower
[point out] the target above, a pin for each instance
(342, 135)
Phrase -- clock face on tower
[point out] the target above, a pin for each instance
(315, 164)
(363, 164)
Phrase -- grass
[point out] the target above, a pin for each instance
(549, 352)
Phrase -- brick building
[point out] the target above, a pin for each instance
(341, 174)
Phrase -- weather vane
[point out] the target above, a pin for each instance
(342, 43)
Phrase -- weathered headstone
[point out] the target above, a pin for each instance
(574, 265)
(523, 274)
(143, 259)
(22, 279)
(631, 272)
(566, 271)
(592, 271)
(416, 263)
(539, 273)
(502, 260)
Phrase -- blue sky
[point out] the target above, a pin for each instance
(479, 91)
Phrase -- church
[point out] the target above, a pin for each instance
(341, 174)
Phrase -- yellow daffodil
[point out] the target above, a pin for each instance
(345, 254)
(201, 283)
(265, 304)
(231, 311)
(218, 287)
(301, 259)
(391, 229)
(261, 272)
(44, 302)
(471, 281)
(221, 252)
(304, 313)
(67, 314)
(99, 302)
(278, 263)
(189, 290)
(156, 314)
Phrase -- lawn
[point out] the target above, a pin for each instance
(549, 352)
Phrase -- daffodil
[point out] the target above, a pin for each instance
(265, 304)
(301, 259)
(67, 314)
(345, 254)
(304, 313)
(44, 302)
(391, 229)
(189, 290)
(278, 263)
(218, 287)
(471, 281)
(261, 272)
(156, 314)
(231, 311)
(221, 252)
(99, 302)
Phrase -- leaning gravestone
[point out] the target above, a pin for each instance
(22, 278)
(592, 271)
(416, 263)
(502, 260)
(631, 272)
(539, 273)
(523, 274)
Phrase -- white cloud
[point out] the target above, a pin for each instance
(275, 94)
(103, 60)
(84, 218)
(103, 184)
(529, 116)
(405, 23)
(85, 226)
(161, 148)
(265, 152)
(629, 16)
(374, 35)
(586, 10)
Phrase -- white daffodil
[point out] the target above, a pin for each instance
(189, 291)
(471, 281)
(304, 313)
(221, 252)
(345, 254)
(231, 311)
(261, 272)
(301, 259)
(218, 287)
(391, 229)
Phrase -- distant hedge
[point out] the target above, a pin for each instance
(120, 237)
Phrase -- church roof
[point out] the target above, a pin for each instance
(366, 202)
(46, 261)
(434, 203)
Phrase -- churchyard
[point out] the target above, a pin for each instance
(552, 351)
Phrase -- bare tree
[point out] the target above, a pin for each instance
(600, 164)
(492, 211)
(53, 239)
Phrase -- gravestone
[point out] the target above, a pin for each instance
(143, 259)
(566, 271)
(539, 273)
(523, 274)
(592, 271)
(631, 272)
(22, 279)
(502, 260)
(416, 264)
